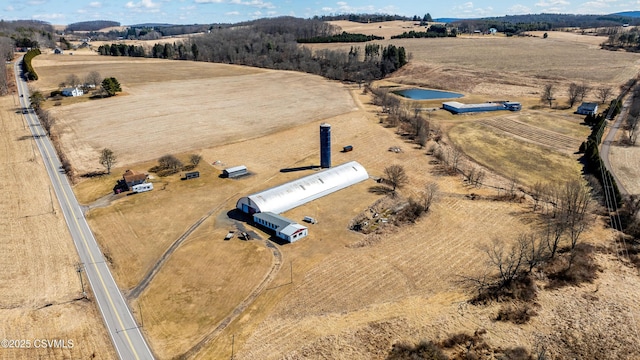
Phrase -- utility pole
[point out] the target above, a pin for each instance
(53, 209)
(233, 340)
(79, 270)
(291, 272)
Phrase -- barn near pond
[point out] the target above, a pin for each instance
(460, 108)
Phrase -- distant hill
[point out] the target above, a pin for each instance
(151, 25)
(633, 14)
(93, 25)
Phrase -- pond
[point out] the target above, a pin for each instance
(423, 94)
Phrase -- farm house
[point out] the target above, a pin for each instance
(72, 91)
(298, 192)
(587, 108)
(285, 229)
(459, 108)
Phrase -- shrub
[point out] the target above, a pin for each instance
(517, 315)
(427, 350)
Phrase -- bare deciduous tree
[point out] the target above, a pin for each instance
(108, 159)
(195, 159)
(576, 199)
(46, 120)
(547, 94)
(396, 176)
(93, 79)
(603, 94)
(574, 93)
(508, 262)
(72, 80)
(170, 162)
(429, 195)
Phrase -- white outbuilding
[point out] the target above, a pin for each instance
(298, 192)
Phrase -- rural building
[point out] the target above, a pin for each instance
(298, 192)
(284, 228)
(459, 108)
(57, 51)
(235, 171)
(192, 175)
(132, 178)
(74, 91)
(142, 187)
(587, 108)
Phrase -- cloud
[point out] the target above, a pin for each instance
(209, 1)
(253, 3)
(48, 17)
(519, 9)
(552, 3)
(9, 8)
(232, 13)
(143, 4)
(344, 8)
(36, 2)
(95, 4)
(469, 10)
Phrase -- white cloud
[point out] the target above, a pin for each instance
(95, 4)
(469, 10)
(551, 3)
(48, 17)
(519, 9)
(232, 13)
(9, 8)
(254, 3)
(146, 4)
(36, 2)
(209, 1)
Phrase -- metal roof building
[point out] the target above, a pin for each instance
(298, 192)
(285, 228)
(459, 108)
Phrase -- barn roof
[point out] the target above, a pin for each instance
(295, 193)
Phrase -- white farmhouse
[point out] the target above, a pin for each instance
(72, 92)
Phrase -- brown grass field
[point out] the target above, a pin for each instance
(39, 283)
(352, 296)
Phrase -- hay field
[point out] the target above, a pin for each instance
(177, 106)
(625, 160)
(39, 283)
(508, 66)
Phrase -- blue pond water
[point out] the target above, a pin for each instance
(422, 94)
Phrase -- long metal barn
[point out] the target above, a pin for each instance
(298, 192)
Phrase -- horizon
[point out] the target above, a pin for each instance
(186, 12)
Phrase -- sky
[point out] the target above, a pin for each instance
(129, 12)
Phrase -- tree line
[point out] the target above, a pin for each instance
(271, 43)
(433, 31)
(92, 25)
(344, 37)
(514, 24)
(27, 68)
(6, 54)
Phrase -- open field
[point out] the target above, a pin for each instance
(352, 296)
(625, 160)
(39, 284)
(180, 112)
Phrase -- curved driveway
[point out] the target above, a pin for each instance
(121, 325)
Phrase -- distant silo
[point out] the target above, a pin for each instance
(325, 145)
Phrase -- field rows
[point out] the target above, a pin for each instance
(534, 134)
(417, 262)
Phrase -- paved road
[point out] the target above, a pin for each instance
(608, 141)
(125, 334)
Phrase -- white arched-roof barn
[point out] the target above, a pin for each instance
(295, 193)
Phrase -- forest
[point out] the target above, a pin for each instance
(271, 43)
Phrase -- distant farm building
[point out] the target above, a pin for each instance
(587, 108)
(57, 51)
(72, 91)
(192, 175)
(459, 108)
(235, 171)
(284, 228)
(298, 192)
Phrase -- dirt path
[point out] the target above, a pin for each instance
(609, 140)
(275, 268)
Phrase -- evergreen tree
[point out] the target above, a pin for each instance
(111, 86)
